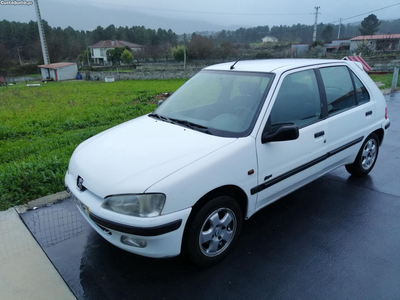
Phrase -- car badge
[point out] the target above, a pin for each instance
(79, 184)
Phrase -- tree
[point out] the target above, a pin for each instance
(178, 53)
(327, 33)
(110, 33)
(227, 50)
(98, 34)
(127, 57)
(85, 56)
(315, 44)
(5, 60)
(154, 52)
(114, 55)
(370, 25)
(200, 47)
(166, 49)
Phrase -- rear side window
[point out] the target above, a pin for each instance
(339, 89)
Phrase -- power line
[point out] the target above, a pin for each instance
(250, 14)
(216, 13)
(342, 19)
(372, 11)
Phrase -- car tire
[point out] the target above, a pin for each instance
(366, 157)
(213, 231)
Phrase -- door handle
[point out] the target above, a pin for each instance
(368, 113)
(318, 134)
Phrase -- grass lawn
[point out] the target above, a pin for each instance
(41, 126)
(385, 79)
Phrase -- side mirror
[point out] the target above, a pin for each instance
(284, 133)
(159, 103)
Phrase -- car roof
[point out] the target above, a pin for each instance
(272, 65)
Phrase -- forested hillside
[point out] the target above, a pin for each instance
(298, 33)
(66, 44)
(19, 42)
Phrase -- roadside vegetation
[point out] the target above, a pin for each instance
(41, 126)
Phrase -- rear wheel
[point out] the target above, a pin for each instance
(213, 231)
(366, 157)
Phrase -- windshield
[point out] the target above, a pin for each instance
(222, 103)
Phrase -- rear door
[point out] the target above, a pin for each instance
(349, 113)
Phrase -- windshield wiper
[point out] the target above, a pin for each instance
(160, 117)
(191, 125)
(181, 122)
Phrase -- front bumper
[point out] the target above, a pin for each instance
(142, 231)
(162, 235)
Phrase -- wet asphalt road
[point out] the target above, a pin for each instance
(336, 238)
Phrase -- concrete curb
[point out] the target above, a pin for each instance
(41, 201)
(25, 270)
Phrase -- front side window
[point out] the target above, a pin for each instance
(223, 103)
(297, 102)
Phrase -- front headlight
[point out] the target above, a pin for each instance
(139, 205)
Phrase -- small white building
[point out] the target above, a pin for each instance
(269, 39)
(99, 50)
(59, 71)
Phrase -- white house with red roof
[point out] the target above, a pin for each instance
(99, 50)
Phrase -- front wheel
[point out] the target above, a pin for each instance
(213, 231)
(366, 157)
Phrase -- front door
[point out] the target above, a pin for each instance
(286, 165)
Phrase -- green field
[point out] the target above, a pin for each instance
(385, 80)
(41, 126)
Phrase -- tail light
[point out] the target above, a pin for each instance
(386, 113)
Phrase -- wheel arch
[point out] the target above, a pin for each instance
(380, 134)
(227, 190)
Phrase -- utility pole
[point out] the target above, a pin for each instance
(340, 26)
(184, 51)
(45, 52)
(19, 55)
(395, 76)
(315, 25)
(87, 55)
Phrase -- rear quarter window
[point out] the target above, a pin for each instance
(361, 90)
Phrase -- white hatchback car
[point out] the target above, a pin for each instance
(233, 139)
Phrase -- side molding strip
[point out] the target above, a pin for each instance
(301, 168)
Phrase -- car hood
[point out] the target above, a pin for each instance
(133, 156)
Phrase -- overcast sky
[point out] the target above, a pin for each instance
(198, 15)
